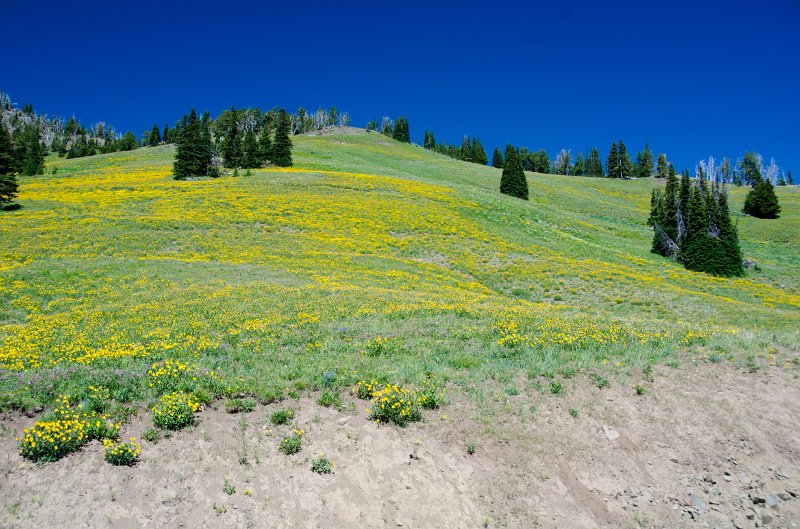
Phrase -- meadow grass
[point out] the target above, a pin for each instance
(284, 281)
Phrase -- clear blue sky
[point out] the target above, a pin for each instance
(692, 78)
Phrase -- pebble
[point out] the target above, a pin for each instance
(772, 501)
(610, 434)
(698, 504)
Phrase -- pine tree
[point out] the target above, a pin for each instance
(730, 255)
(750, 168)
(579, 169)
(513, 181)
(429, 143)
(155, 136)
(761, 201)
(478, 154)
(7, 162)
(30, 152)
(497, 158)
(466, 150)
(190, 154)
(644, 163)
(612, 163)
(232, 147)
(695, 251)
(625, 165)
(167, 138)
(206, 149)
(684, 196)
(251, 154)
(400, 132)
(661, 166)
(282, 146)
(789, 178)
(265, 143)
(594, 167)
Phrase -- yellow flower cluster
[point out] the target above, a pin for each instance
(365, 390)
(395, 404)
(174, 411)
(121, 453)
(69, 429)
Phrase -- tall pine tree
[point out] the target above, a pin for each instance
(761, 201)
(644, 163)
(400, 132)
(282, 146)
(497, 158)
(513, 181)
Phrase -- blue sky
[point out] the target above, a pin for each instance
(692, 78)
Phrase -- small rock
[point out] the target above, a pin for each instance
(343, 421)
(766, 518)
(772, 501)
(696, 502)
(674, 460)
(738, 521)
(758, 498)
(785, 496)
(610, 434)
(727, 477)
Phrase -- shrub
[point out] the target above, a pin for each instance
(365, 390)
(240, 405)
(282, 416)
(291, 444)
(329, 398)
(393, 404)
(431, 395)
(66, 429)
(377, 346)
(322, 465)
(151, 435)
(175, 411)
(121, 453)
(169, 375)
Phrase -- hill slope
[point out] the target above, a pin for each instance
(277, 277)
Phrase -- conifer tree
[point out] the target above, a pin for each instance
(497, 158)
(167, 138)
(684, 195)
(750, 168)
(695, 252)
(155, 136)
(7, 163)
(478, 154)
(761, 201)
(232, 147)
(193, 152)
(594, 167)
(251, 155)
(400, 132)
(206, 148)
(429, 143)
(265, 143)
(282, 146)
(730, 253)
(8, 188)
(661, 166)
(644, 163)
(612, 163)
(30, 152)
(789, 178)
(579, 169)
(513, 181)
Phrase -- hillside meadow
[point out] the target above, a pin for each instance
(369, 259)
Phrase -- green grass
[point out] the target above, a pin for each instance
(283, 282)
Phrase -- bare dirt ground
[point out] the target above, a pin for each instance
(705, 446)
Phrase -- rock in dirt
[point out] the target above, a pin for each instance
(611, 434)
(696, 502)
(772, 501)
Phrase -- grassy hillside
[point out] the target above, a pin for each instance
(368, 258)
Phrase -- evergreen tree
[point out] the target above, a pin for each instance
(625, 165)
(466, 150)
(155, 136)
(206, 150)
(725, 171)
(7, 163)
(429, 143)
(478, 153)
(761, 201)
(513, 181)
(192, 155)
(400, 132)
(594, 167)
(729, 258)
(661, 166)
(127, 142)
(8, 188)
(612, 163)
(251, 154)
(579, 169)
(684, 195)
(265, 143)
(167, 135)
(750, 168)
(789, 178)
(30, 152)
(232, 147)
(695, 251)
(644, 163)
(282, 146)
(497, 158)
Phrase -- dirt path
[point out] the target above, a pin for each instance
(703, 447)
